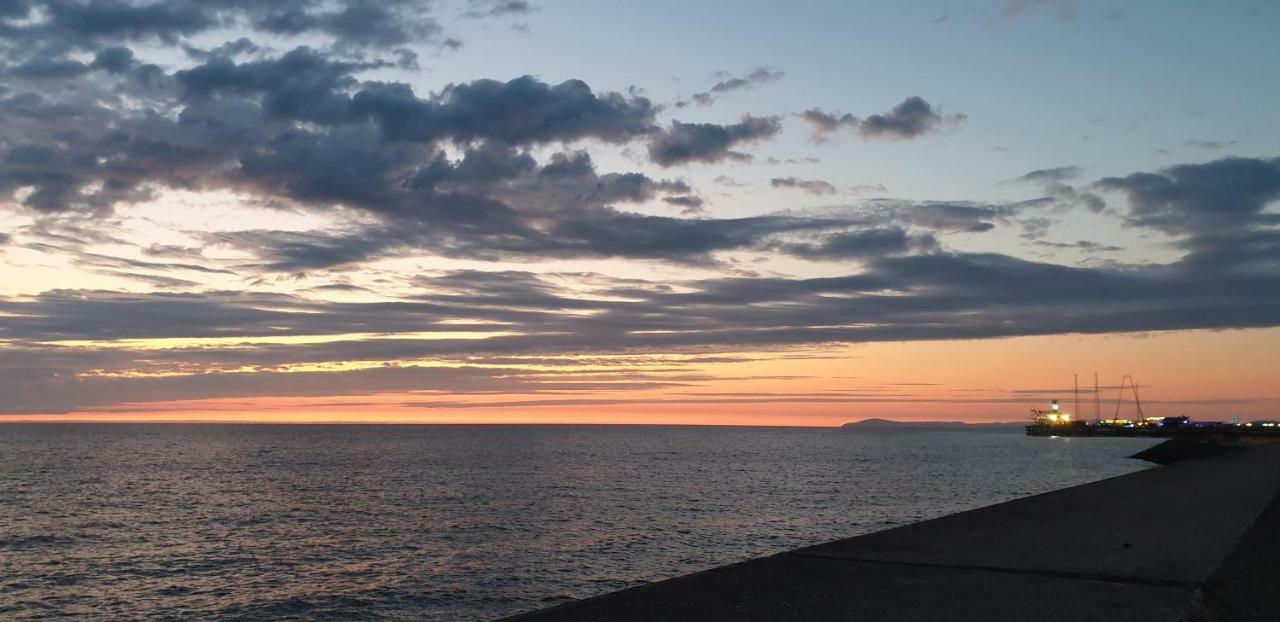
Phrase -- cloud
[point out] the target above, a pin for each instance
(912, 118)
(729, 84)
(521, 111)
(303, 84)
(804, 160)
(860, 244)
(49, 69)
(348, 24)
(1213, 197)
(1054, 183)
(310, 119)
(906, 286)
(298, 126)
(1082, 245)
(1051, 175)
(497, 8)
(353, 24)
(684, 143)
(524, 226)
(1211, 145)
(122, 21)
(942, 216)
(825, 123)
(301, 129)
(116, 59)
(812, 186)
(867, 189)
(894, 296)
(1065, 9)
(689, 204)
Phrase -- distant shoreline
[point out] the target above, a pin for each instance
(891, 424)
(862, 424)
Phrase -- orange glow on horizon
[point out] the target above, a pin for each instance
(1204, 374)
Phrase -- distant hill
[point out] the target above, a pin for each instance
(889, 424)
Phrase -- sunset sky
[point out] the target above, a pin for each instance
(764, 213)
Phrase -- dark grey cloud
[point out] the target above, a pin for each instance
(726, 180)
(942, 294)
(1214, 197)
(1051, 175)
(586, 233)
(229, 50)
(728, 84)
(897, 295)
(298, 127)
(683, 143)
(49, 69)
(688, 204)
(812, 186)
(825, 124)
(497, 8)
(355, 23)
(1054, 182)
(173, 251)
(91, 21)
(307, 85)
(155, 281)
(1211, 145)
(521, 111)
(299, 252)
(804, 160)
(860, 244)
(1081, 245)
(523, 226)
(942, 216)
(301, 129)
(491, 170)
(494, 202)
(303, 84)
(867, 189)
(116, 59)
(760, 75)
(15, 9)
(59, 26)
(912, 118)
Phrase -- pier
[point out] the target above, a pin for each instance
(1194, 540)
(1055, 422)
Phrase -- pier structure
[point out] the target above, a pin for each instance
(1054, 422)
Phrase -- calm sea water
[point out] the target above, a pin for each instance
(253, 522)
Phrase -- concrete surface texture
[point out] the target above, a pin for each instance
(1195, 540)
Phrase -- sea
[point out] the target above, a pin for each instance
(401, 522)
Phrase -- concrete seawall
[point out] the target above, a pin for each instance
(1195, 540)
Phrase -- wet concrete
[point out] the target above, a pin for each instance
(1198, 539)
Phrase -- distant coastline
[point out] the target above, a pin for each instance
(873, 425)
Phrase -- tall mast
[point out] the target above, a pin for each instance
(1097, 399)
(1076, 379)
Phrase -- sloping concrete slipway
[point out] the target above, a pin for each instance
(1195, 540)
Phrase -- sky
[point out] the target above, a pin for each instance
(764, 213)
